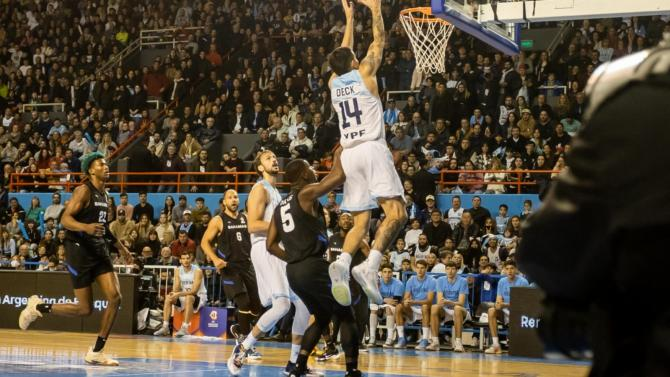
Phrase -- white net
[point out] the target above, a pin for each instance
(429, 36)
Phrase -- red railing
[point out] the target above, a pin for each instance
(184, 181)
(518, 178)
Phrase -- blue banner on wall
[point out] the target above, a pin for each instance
(489, 201)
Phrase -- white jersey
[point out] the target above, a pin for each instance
(275, 198)
(187, 278)
(454, 217)
(360, 113)
(421, 254)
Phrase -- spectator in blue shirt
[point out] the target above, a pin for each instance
(392, 291)
(419, 295)
(502, 218)
(502, 302)
(391, 112)
(485, 283)
(452, 305)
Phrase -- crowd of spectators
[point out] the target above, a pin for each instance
(268, 76)
(35, 235)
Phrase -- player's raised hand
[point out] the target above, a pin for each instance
(94, 229)
(348, 6)
(372, 4)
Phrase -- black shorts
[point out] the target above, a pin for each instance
(309, 279)
(241, 281)
(85, 265)
(196, 302)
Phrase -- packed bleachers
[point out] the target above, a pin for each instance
(261, 70)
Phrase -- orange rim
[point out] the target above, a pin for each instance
(427, 11)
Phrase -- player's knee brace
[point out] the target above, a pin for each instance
(301, 319)
(280, 307)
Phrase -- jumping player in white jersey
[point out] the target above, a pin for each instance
(273, 287)
(371, 178)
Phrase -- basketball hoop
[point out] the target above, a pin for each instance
(429, 36)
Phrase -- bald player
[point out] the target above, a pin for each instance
(228, 230)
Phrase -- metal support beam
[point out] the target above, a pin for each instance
(558, 10)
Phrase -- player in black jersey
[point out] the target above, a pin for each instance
(299, 224)
(233, 258)
(87, 247)
(359, 301)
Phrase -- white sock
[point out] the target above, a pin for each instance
(426, 332)
(496, 343)
(185, 325)
(295, 350)
(249, 341)
(374, 321)
(390, 325)
(435, 340)
(345, 258)
(374, 259)
(166, 324)
(401, 332)
(457, 340)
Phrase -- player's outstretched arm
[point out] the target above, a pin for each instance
(348, 38)
(272, 242)
(314, 191)
(214, 227)
(373, 60)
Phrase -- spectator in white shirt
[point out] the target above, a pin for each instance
(79, 145)
(301, 146)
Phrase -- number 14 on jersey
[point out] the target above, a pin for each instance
(350, 112)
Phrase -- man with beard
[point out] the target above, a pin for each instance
(273, 286)
(233, 257)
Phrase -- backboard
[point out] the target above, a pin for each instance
(465, 15)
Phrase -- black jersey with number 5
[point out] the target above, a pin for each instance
(95, 211)
(234, 244)
(302, 234)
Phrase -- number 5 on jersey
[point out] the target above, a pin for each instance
(349, 112)
(286, 218)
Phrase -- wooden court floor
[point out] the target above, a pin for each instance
(38, 353)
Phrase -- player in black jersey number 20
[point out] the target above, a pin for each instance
(299, 224)
(233, 259)
(87, 257)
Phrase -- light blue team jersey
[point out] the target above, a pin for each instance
(360, 113)
(504, 286)
(419, 289)
(394, 288)
(451, 290)
(187, 279)
(275, 197)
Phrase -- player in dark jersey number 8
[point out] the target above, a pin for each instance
(233, 260)
(299, 224)
(87, 258)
